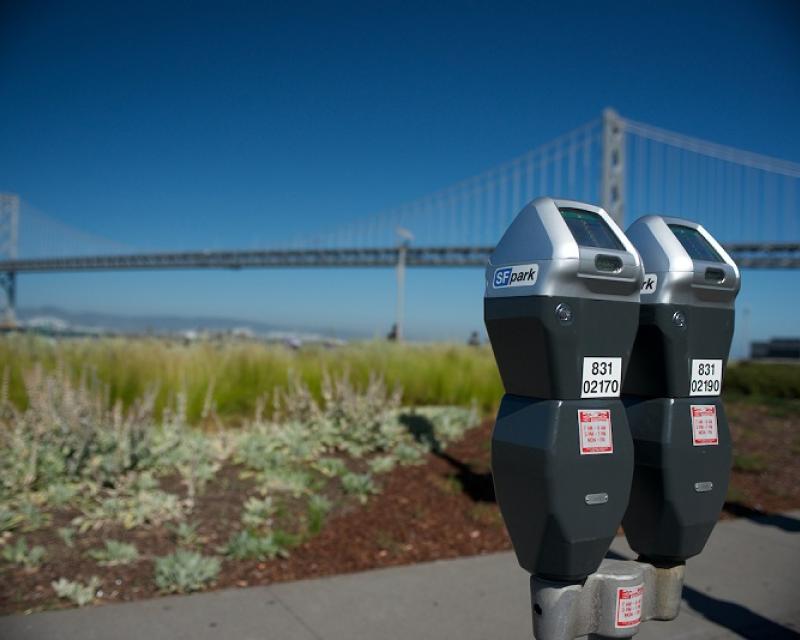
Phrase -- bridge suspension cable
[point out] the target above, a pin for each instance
(475, 211)
(745, 199)
(712, 149)
(749, 201)
(41, 235)
(742, 197)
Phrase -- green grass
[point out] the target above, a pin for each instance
(750, 462)
(773, 407)
(238, 374)
(763, 380)
(736, 495)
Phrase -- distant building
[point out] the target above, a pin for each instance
(787, 348)
(243, 333)
(48, 324)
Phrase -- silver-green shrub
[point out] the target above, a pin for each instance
(359, 485)
(252, 545)
(114, 553)
(80, 594)
(20, 553)
(185, 571)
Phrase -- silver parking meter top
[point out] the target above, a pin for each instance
(683, 263)
(564, 248)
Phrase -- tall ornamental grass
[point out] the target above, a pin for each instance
(234, 376)
(763, 380)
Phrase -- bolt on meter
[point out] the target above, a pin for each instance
(562, 310)
(681, 437)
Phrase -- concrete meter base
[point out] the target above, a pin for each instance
(610, 603)
(562, 474)
(683, 461)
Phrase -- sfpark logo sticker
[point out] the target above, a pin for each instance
(650, 283)
(521, 275)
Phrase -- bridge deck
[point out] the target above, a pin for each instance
(758, 256)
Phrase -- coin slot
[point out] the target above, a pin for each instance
(611, 264)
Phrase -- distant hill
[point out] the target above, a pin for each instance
(112, 323)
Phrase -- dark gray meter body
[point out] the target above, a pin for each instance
(681, 438)
(562, 310)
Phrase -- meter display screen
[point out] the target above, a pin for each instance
(695, 244)
(590, 230)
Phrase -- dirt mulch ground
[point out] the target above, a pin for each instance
(442, 509)
(766, 458)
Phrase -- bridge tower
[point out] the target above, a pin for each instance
(9, 229)
(613, 180)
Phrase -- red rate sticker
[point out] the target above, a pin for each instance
(594, 426)
(629, 606)
(704, 425)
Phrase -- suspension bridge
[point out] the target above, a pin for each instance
(751, 202)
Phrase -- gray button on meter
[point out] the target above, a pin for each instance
(671, 392)
(562, 310)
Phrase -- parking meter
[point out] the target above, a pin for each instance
(562, 309)
(681, 438)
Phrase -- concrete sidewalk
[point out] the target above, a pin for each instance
(745, 584)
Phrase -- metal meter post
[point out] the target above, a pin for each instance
(562, 311)
(672, 391)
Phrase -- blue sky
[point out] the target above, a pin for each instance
(198, 125)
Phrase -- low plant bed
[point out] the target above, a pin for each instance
(97, 504)
(438, 506)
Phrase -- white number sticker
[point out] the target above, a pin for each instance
(601, 377)
(706, 378)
